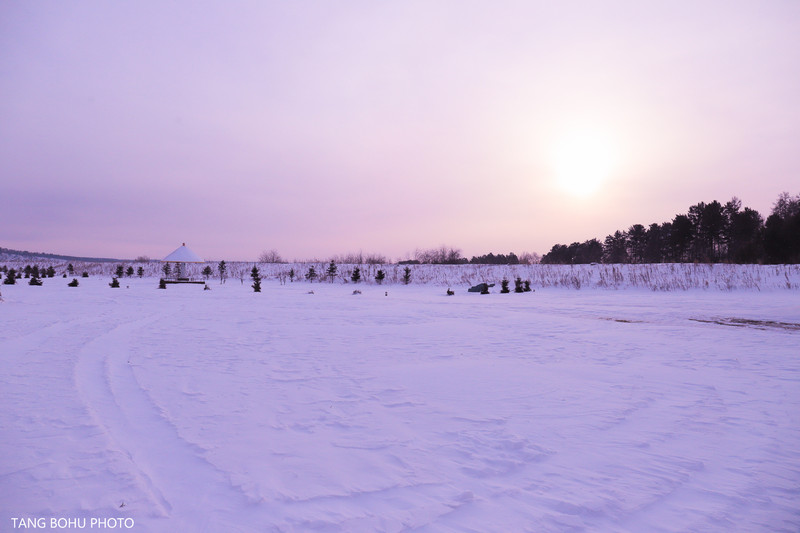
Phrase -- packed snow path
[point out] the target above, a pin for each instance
(228, 410)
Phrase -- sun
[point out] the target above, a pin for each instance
(583, 160)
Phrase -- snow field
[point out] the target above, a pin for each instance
(559, 410)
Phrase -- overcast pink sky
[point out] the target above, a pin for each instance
(321, 128)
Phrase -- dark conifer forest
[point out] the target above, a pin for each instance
(707, 233)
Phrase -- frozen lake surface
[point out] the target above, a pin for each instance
(559, 410)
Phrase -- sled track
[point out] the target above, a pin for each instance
(138, 429)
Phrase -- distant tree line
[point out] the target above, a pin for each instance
(445, 255)
(709, 233)
(39, 255)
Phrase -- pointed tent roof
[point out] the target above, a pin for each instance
(182, 255)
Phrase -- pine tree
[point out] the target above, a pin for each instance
(73, 283)
(518, 285)
(332, 270)
(311, 274)
(120, 271)
(406, 276)
(11, 278)
(85, 275)
(527, 285)
(35, 281)
(207, 272)
(256, 277)
(129, 272)
(140, 271)
(70, 269)
(504, 286)
(292, 274)
(114, 283)
(223, 270)
(380, 276)
(355, 277)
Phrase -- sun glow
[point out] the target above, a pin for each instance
(583, 160)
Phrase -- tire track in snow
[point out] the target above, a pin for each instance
(183, 485)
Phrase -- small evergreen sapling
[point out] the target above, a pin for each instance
(140, 271)
(518, 285)
(332, 270)
(256, 277)
(380, 275)
(504, 286)
(51, 271)
(70, 269)
(114, 283)
(35, 282)
(223, 271)
(85, 275)
(73, 283)
(11, 278)
(311, 274)
(355, 277)
(120, 271)
(292, 275)
(527, 285)
(129, 272)
(207, 272)
(406, 275)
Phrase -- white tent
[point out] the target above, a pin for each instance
(182, 255)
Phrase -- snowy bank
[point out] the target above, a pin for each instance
(656, 277)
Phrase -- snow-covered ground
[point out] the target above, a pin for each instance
(558, 410)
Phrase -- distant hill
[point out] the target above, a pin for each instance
(6, 254)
